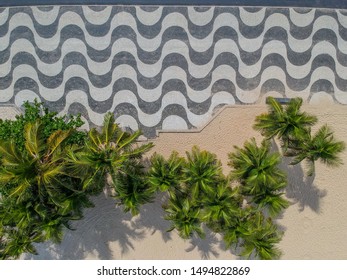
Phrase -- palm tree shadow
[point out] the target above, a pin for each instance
(152, 218)
(205, 246)
(101, 225)
(234, 250)
(300, 189)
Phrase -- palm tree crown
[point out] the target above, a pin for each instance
(113, 152)
(37, 197)
(284, 121)
(255, 167)
(321, 146)
(260, 178)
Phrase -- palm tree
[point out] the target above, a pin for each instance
(219, 209)
(166, 175)
(185, 217)
(321, 146)
(255, 164)
(108, 153)
(284, 122)
(132, 189)
(259, 236)
(202, 173)
(273, 202)
(40, 170)
(257, 172)
(255, 167)
(255, 236)
(14, 243)
(38, 198)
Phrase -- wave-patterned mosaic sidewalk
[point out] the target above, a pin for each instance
(168, 67)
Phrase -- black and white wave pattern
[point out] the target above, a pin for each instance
(168, 67)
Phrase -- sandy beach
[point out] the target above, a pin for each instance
(315, 225)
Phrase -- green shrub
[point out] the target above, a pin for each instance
(14, 129)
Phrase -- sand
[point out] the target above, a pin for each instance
(315, 224)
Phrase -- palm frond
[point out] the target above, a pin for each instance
(6, 176)
(80, 163)
(20, 188)
(123, 142)
(53, 230)
(9, 153)
(260, 237)
(275, 106)
(284, 121)
(56, 139)
(34, 141)
(94, 140)
(275, 203)
(108, 127)
(136, 150)
(50, 174)
(165, 174)
(184, 218)
(132, 191)
(202, 172)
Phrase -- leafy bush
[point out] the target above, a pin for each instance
(14, 129)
